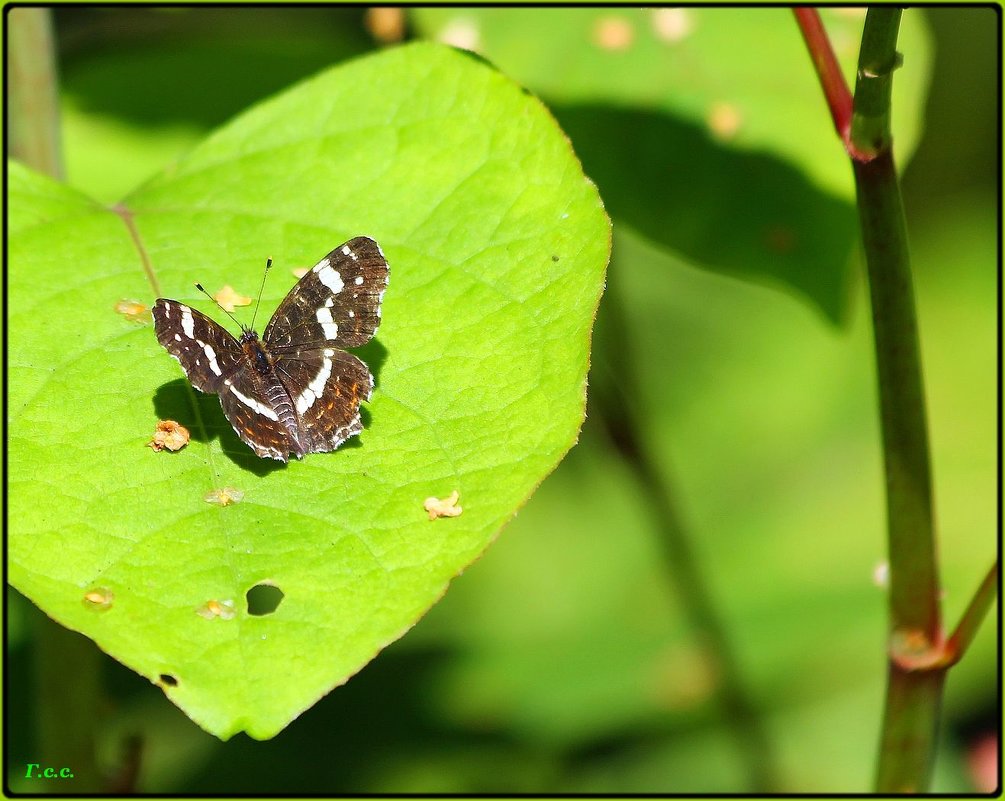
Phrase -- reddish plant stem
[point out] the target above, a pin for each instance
(839, 97)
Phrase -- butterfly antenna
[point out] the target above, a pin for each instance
(268, 264)
(231, 316)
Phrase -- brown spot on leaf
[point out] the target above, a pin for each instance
(613, 33)
(230, 299)
(169, 434)
(100, 598)
(216, 609)
(723, 120)
(385, 24)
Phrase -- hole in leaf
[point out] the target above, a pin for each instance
(264, 599)
(168, 680)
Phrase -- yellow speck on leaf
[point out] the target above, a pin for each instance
(229, 298)
(224, 496)
(447, 507)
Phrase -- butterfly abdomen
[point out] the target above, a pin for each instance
(272, 388)
(279, 398)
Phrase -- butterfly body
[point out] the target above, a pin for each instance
(294, 390)
(256, 352)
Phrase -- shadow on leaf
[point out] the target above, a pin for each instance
(745, 214)
(203, 416)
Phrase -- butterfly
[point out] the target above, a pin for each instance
(295, 390)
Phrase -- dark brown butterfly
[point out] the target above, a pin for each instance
(295, 390)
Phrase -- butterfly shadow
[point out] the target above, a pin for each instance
(203, 416)
(374, 354)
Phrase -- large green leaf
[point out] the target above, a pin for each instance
(705, 128)
(497, 245)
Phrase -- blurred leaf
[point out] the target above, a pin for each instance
(749, 215)
(766, 432)
(691, 63)
(497, 246)
(144, 64)
(571, 657)
(94, 144)
(705, 128)
(129, 75)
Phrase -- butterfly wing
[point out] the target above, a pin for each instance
(207, 352)
(213, 360)
(257, 419)
(335, 305)
(333, 383)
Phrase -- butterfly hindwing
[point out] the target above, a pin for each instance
(258, 421)
(334, 382)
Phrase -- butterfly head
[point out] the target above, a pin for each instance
(247, 332)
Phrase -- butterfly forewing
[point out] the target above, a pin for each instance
(336, 304)
(206, 351)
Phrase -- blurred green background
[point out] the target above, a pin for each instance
(566, 659)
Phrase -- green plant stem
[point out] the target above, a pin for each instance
(877, 60)
(914, 586)
(910, 723)
(33, 99)
(910, 719)
(972, 617)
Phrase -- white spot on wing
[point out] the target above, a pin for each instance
(211, 355)
(324, 316)
(187, 323)
(349, 252)
(317, 386)
(359, 280)
(177, 337)
(305, 401)
(328, 276)
(251, 403)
